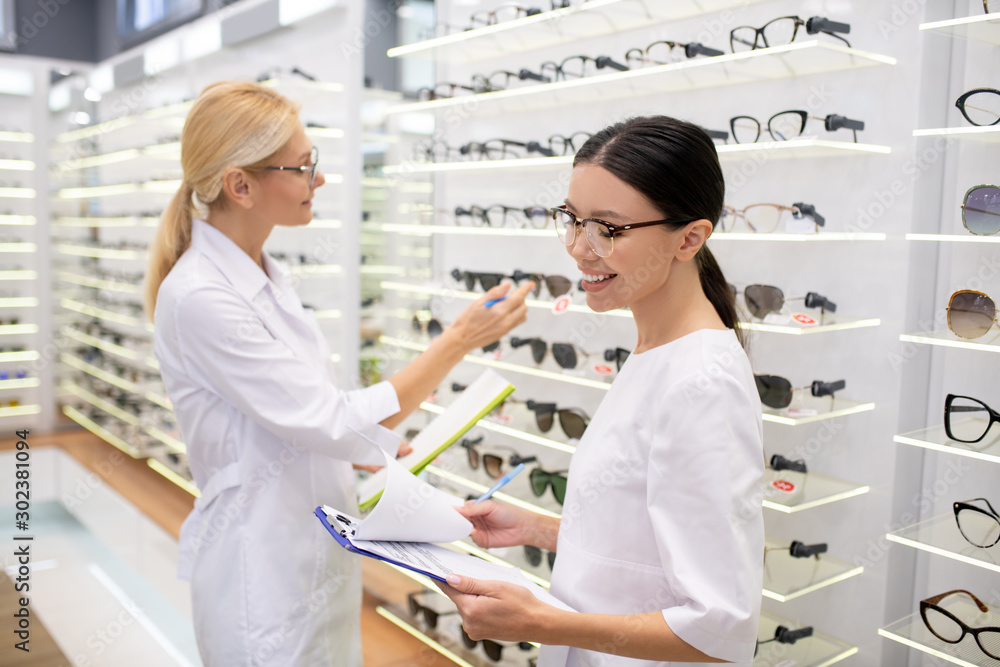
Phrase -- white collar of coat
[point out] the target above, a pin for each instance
(242, 272)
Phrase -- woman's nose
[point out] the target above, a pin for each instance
(320, 179)
(581, 249)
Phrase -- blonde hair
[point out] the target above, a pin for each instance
(231, 124)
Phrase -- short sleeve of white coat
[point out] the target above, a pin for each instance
(262, 377)
(704, 495)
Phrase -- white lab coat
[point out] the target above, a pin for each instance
(248, 372)
(663, 506)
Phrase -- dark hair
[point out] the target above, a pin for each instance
(675, 166)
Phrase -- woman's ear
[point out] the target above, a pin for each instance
(693, 238)
(238, 187)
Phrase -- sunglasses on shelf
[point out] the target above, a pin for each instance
(556, 285)
(949, 628)
(786, 125)
(971, 314)
(492, 463)
(493, 649)
(980, 527)
(567, 355)
(766, 218)
(762, 300)
(430, 615)
(776, 391)
(782, 31)
(543, 479)
(666, 52)
(501, 215)
(428, 327)
(783, 635)
(980, 106)
(486, 280)
(968, 419)
(573, 421)
(533, 555)
(981, 210)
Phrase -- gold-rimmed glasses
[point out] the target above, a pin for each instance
(971, 314)
(765, 218)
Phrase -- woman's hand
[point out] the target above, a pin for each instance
(477, 326)
(496, 524)
(496, 609)
(404, 449)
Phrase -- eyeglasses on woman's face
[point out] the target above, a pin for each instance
(304, 169)
(600, 234)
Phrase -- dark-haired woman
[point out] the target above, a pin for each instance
(661, 536)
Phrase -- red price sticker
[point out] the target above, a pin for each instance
(783, 485)
(601, 369)
(804, 320)
(561, 305)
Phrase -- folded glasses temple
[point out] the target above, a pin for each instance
(973, 500)
(528, 74)
(535, 147)
(516, 342)
(717, 134)
(697, 48)
(540, 407)
(820, 388)
(808, 210)
(937, 598)
(820, 24)
(607, 61)
(779, 462)
(801, 550)
(785, 636)
(816, 300)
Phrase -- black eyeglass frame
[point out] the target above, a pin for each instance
(611, 228)
(967, 505)
(949, 409)
(310, 168)
(960, 103)
(814, 25)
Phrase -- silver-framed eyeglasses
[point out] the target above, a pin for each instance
(600, 234)
(309, 168)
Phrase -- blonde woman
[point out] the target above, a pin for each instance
(246, 368)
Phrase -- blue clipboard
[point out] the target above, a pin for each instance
(344, 541)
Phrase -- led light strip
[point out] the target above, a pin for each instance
(23, 383)
(17, 137)
(950, 238)
(24, 220)
(515, 368)
(948, 449)
(943, 342)
(799, 421)
(17, 165)
(98, 283)
(18, 247)
(20, 410)
(942, 552)
(815, 587)
(506, 430)
(99, 403)
(791, 509)
(18, 275)
(173, 477)
(108, 315)
(99, 431)
(19, 302)
(17, 193)
(779, 236)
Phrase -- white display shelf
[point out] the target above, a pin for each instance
(578, 23)
(935, 438)
(506, 430)
(824, 407)
(99, 253)
(17, 137)
(953, 238)
(986, 135)
(315, 270)
(111, 348)
(166, 151)
(20, 410)
(455, 230)
(782, 237)
(787, 578)
(164, 187)
(171, 114)
(940, 535)
(13, 329)
(807, 147)
(28, 355)
(18, 220)
(100, 432)
(478, 488)
(16, 165)
(778, 62)
(21, 383)
(988, 343)
(19, 302)
(185, 484)
(502, 365)
(120, 287)
(325, 132)
(115, 411)
(17, 193)
(26, 274)
(818, 650)
(911, 631)
(110, 378)
(813, 490)
(303, 90)
(18, 247)
(97, 222)
(830, 322)
(981, 28)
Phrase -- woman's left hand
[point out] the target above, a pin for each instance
(496, 609)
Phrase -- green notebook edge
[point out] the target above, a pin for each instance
(417, 469)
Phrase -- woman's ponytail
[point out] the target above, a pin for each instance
(172, 238)
(718, 291)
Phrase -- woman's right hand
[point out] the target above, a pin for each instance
(497, 524)
(478, 326)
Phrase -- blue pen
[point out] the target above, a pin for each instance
(493, 302)
(496, 487)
